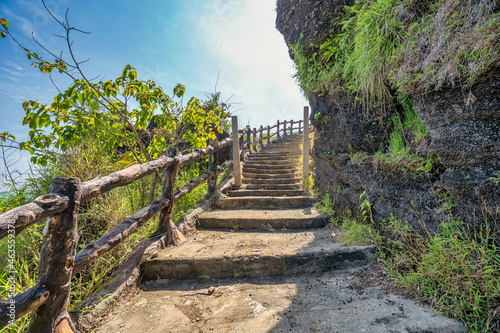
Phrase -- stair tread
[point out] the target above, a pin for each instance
(242, 243)
(257, 214)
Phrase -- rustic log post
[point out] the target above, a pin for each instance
(300, 126)
(291, 127)
(255, 139)
(57, 257)
(284, 128)
(260, 137)
(278, 136)
(236, 152)
(248, 138)
(268, 135)
(305, 150)
(165, 223)
(213, 160)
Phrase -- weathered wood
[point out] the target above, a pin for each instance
(22, 304)
(212, 168)
(291, 127)
(165, 224)
(236, 152)
(268, 135)
(260, 137)
(300, 125)
(63, 326)
(16, 220)
(57, 258)
(198, 180)
(278, 130)
(248, 138)
(121, 232)
(305, 150)
(95, 187)
(201, 153)
(254, 139)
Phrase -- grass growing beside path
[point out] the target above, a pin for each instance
(456, 272)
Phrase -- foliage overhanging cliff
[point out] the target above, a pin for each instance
(378, 48)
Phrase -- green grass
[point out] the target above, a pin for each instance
(456, 271)
(355, 233)
(326, 205)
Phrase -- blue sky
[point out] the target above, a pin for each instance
(168, 41)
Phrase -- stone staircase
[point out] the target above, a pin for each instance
(267, 227)
(261, 263)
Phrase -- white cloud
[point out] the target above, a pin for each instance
(13, 65)
(253, 58)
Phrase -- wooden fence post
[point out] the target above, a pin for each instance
(284, 128)
(57, 258)
(212, 167)
(165, 223)
(248, 138)
(291, 127)
(260, 137)
(268, 135)
(278, 136)
(236, 152)
(255, 139)
(300, 126)
(305, 150)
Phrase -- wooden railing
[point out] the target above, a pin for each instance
(49, 298)
(262, 136)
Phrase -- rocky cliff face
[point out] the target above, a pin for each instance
(463, 131)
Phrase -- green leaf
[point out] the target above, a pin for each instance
(2, 34)
(179, 90)
(81, 98)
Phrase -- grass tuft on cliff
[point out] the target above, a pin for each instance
(409, 47)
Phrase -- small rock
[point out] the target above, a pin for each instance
(211, 290)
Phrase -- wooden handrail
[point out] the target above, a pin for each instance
(52, 204)
(63, 206)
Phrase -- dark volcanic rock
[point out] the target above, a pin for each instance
(343, 125)
(464, 126)
(310, 18)
(407, 195)
(463, 131)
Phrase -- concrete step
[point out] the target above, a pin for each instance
(276, 154)
(269, 202)
(263, 219)
(272, 169)
(271, 181)
(281, 163)
(285, 148)
(258, 157)
(264, 192)
(270, 187)
(264, 175)
(220, 254)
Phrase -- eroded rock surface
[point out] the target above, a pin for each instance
(463, 132)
